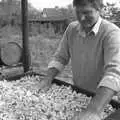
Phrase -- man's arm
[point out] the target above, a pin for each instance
(110, 83)
(58, 62)
(61, 56)
(98, 102)
(52, 73)
(103, 97)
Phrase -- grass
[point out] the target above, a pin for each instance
(41, 46)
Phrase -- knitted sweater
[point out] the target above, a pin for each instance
(95, 57)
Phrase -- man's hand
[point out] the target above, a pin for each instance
(44, 84)
(85, 115)
(98, 102)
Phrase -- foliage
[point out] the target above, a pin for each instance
(111, 12)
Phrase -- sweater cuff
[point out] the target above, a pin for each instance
(56, 64)
(110, 82)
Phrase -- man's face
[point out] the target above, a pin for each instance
(87, 15)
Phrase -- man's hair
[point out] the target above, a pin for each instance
(97, 4)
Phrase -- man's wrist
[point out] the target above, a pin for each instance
(52, 73)
(49, 78)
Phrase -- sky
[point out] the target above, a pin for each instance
(40, 4)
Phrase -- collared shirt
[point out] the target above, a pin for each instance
(94, 30)
(95, 58)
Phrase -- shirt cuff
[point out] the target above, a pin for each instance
(110, 82)
(56, 64)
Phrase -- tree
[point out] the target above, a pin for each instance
(12, 8)
(111, 12)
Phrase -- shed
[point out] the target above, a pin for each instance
(51, 18)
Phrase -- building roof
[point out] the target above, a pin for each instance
(52, 14)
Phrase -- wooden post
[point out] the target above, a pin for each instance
(26, 52)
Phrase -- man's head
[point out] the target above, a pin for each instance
(97, 4)
(87, 11)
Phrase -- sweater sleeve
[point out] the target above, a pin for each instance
(111, 78)
(61, 56)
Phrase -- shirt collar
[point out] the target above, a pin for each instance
(94, 30)
(96, 27)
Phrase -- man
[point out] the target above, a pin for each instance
(93, 45)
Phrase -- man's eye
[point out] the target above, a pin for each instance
(86, 13)
(83, 13)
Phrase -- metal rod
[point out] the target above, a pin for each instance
(26, 52)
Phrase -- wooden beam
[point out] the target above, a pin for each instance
(26, 52)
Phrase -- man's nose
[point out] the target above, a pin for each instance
(82, 17)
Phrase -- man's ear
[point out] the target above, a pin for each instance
(101, 11)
